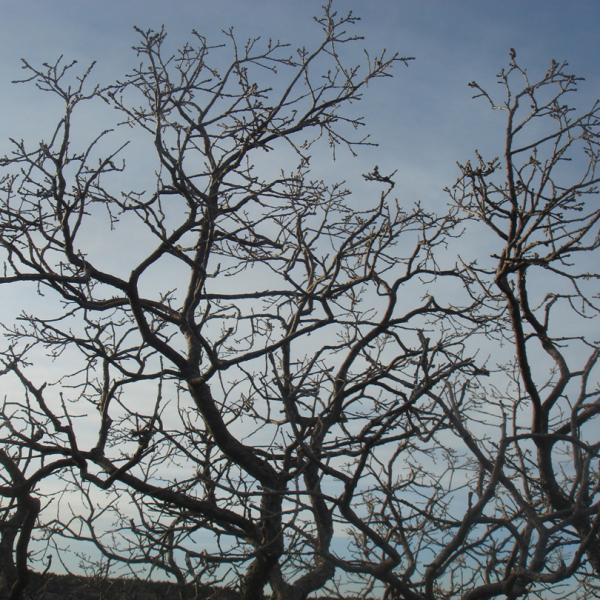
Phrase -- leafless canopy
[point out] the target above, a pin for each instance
(238, 374)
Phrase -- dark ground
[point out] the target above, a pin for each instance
(70, 587)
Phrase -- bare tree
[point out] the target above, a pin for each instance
(539, 201)
(513, 507)
(281, 385)
(18, 520)
(20, 509)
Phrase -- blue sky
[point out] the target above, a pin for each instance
(423, 118)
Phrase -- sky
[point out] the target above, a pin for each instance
(423, 119)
